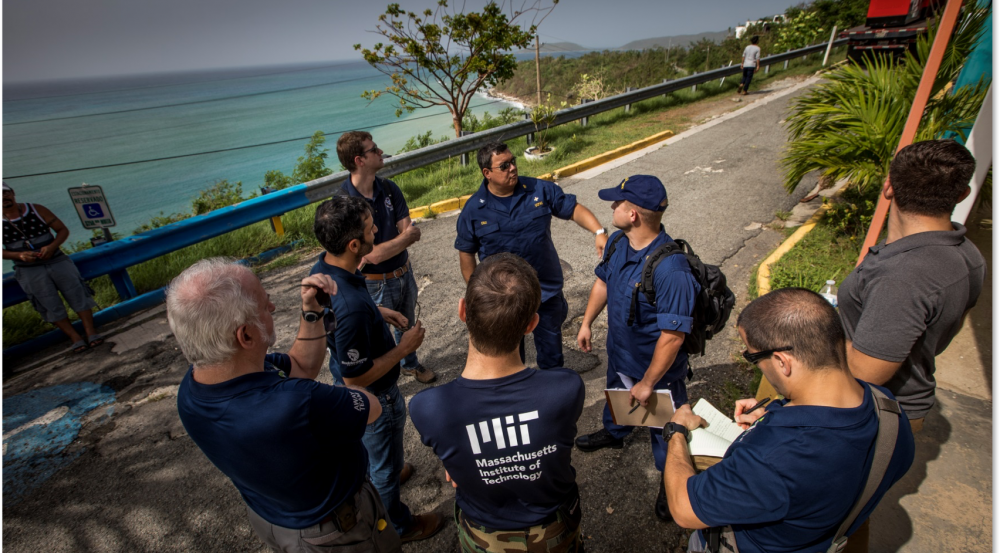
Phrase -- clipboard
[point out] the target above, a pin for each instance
(656, 414)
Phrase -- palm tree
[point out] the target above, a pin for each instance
(850, 126)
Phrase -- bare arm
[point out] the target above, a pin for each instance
(868, 368)
(408, 344)
(586, 219)
(468, 263)
(309, 349)
(595, 304)
(678, 468)
(408, 234)
(62, 233)
(667, 346)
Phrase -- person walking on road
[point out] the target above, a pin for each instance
(43, 270)
(387, 269)
(367, 354)
(645, 341)
(518, 421)
(513, 214)
(751, 64)
(291, 445)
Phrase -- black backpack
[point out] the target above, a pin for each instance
(713, 304)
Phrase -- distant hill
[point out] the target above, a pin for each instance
(556, 47)
(678, 40)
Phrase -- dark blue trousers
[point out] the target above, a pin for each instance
(548, 334)
(679, 392)
(747, 77)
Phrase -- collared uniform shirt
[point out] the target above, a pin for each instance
(487, 226)
(362, 335)
(386, 211)
(630, 348)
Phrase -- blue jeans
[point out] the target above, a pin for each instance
(548, 334)
(384, 441)
(398, 294)
(747, 77)
(679, 392)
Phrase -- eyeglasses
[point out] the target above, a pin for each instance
(374, 148)
(505, 166)
(753, 358)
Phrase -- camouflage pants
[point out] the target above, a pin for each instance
(561, 535)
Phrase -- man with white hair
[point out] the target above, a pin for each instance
(291, 445)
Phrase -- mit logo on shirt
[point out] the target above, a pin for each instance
(498, 433)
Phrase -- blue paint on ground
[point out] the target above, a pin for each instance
(34, 454)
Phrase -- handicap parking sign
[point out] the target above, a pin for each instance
(92, 207)
(93, 211)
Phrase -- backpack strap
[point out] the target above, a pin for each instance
(646, 285)
(610, 246)
(885, 444)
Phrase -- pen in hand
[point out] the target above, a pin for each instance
(759, 404)
(637, 404)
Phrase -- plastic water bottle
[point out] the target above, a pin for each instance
(830, 292)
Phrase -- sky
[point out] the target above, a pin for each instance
(65, 39)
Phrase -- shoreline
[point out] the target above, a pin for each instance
(493, 94)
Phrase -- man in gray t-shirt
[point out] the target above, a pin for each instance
(903, 305)
(751, 63)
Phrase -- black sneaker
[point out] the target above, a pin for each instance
(598, 440)
(662, 510)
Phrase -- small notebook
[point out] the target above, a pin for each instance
(715, 439)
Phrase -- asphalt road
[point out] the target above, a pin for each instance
(131, 480)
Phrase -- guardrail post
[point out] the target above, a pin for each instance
(583, 120)
(628, 107)
(276, 224)
(786, 61)
(667, 93)
(123, 284)
(767, 68)
(464, 158)
(723, 79)
(530, 137)
(829, 45)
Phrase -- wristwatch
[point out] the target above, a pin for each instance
(313, 316)
(674, 428)
(600, 231)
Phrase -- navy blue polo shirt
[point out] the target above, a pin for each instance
(387, 210)
(676, 291)
(362, 335)
(523, 227)
(788, 482)
(507, 442)
(291, 446)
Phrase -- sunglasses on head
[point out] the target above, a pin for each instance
(753, 358)
(507, 165)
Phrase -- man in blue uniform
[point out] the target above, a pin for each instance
(644, 354)
(505, 432)
(514, 214)
(367, 354)
(387, 269)
(290, 445)
(791, 479)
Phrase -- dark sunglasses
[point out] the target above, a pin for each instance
(753, 358)
(374, 148)
(506, 165)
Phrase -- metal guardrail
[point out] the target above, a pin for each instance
(115, 257)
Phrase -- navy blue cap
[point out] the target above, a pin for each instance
(645, 191)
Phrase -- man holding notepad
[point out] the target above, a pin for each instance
(795, 479)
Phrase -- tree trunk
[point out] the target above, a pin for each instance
(457, 122)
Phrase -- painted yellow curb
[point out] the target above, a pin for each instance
(578, 167)
(764, 272)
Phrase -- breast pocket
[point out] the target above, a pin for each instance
(488, 236)
(538, 221)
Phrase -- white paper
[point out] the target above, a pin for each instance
(715, 439)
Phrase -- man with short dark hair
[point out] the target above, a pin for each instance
(905, 302)
(514, 214)
(290, 445)
(43, 270)
(366, 353)
(794, 475)
(387, 268)
(750, 65)
(505, 432)
(645, 342)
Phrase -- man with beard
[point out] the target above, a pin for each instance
(366, 352)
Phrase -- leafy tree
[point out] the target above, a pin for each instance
(222, 194)
(421, 141)
(505, 116)
(442, 57)
(850, 127)
(312, 165)
(277, 180)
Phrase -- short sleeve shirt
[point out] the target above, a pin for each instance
(361, 336)
(506, 442)
(751, 55)
(387, 210)
(905, 303)
(291, 446)
(676, 292)
(788, 482)
(523, 227)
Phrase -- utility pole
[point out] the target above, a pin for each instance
(707, 52)
(538, 71)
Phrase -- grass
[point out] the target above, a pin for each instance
(423, 186)
(822, 255)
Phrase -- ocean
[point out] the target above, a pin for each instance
(229, 124)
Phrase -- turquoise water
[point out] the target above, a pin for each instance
(51, 127)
